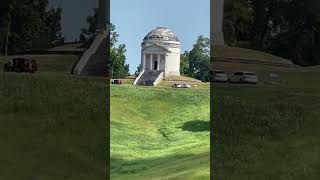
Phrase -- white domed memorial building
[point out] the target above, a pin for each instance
(160, 57)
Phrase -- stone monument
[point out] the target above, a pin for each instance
(160, 56)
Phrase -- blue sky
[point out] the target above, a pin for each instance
(74, 14)
(135, 18)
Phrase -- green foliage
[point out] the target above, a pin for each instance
(26, 25)
(289, 29)
(51, 33)
(118, 66)
(196, 63)
(113, 35)
(184, 63)
(53, 24)
(237, 22)
(299, 37)
(87, 35)
(139, 68)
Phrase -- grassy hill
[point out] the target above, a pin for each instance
(52, 124)
(264, 131)
(269, 130)
(248, 54)
(59, 120)
(159, 133)
(239, 59)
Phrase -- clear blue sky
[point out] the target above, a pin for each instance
(135, 18)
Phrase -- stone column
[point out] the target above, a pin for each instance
(143, 63)
(151, 62)
(158, 67)
(217, 8)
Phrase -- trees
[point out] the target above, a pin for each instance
(139, 68)
(24, 25)
(184, 63)
(51, 32)
(297, 35)
(53, 24)
(118, 66)
(288, 29)
(196, 63)
(237, 21)
(89, 33)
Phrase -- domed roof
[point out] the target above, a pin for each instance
(162, 34)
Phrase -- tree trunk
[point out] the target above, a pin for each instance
(7, 39)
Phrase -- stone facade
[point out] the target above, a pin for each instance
(161, 52)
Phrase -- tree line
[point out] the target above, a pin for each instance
(196, 62)
(287, 28)
(28, 25)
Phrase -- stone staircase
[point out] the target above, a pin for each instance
(149, 78)
(94, 60)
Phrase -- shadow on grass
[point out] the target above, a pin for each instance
(196, 126)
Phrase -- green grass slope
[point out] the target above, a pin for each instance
(247, 54)
(268, 131)
(52, 126)
(159, 133)
(239, 59)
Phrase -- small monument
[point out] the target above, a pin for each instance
(160, 57)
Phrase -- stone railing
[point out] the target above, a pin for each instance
(158, 80)
(89, 53)
(137, 79)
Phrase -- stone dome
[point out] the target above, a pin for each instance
(161, 34)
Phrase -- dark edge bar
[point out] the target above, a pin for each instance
(211, 96)
(108, 89)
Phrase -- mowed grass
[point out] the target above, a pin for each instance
(52, 126)
(159, 133)
(268, 131)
